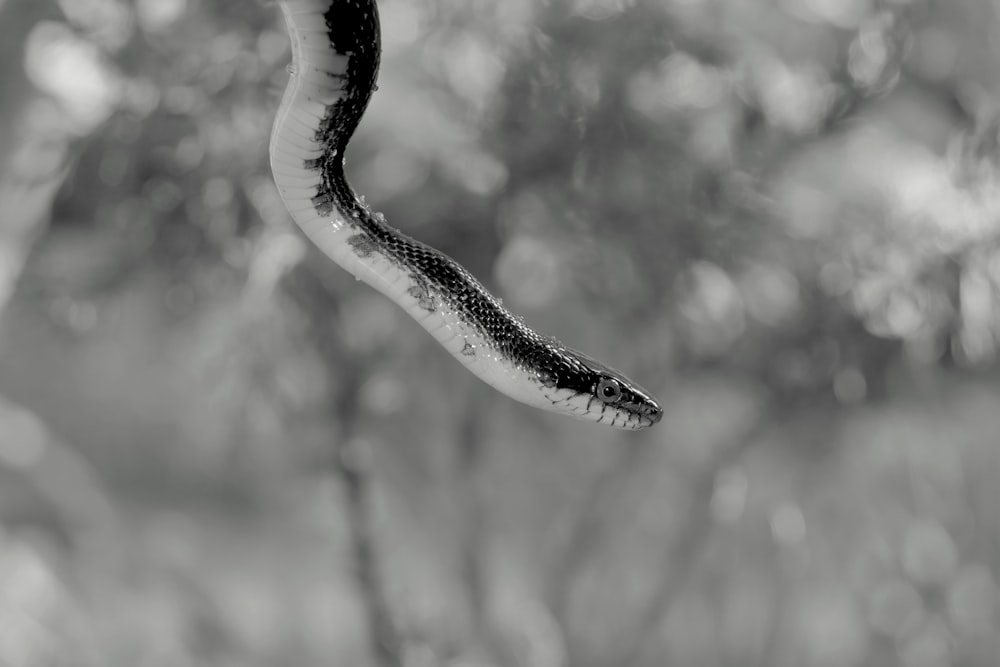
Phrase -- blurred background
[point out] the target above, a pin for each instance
(782, 217)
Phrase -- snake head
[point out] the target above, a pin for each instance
(584, 388)
(622, 398)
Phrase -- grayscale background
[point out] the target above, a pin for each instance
(781, 217)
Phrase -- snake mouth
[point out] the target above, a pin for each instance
(648, 414)
(654, 413)
(644, 406)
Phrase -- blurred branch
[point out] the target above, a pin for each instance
(383, 636)
(64, 493)
(474, 531)
(351, 466)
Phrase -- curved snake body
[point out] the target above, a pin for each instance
(335, 59)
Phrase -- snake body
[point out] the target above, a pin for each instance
(335, 59)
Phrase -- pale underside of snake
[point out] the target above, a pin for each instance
(335, 59)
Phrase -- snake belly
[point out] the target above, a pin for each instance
(335, 60)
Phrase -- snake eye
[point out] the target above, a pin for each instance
(608, 390)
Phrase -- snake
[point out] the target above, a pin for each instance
(336, 52)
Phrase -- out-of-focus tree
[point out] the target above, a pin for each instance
(781, 216)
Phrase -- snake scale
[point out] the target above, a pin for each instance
(335, 59)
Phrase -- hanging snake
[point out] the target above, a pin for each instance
(335, 59)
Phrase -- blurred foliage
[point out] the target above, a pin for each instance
(781, 217)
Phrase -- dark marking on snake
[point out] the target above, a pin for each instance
(469, 350)
(421, 291)
(362, 245)
(323, 203)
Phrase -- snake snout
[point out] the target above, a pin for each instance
(651, 412)
(655, 414)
